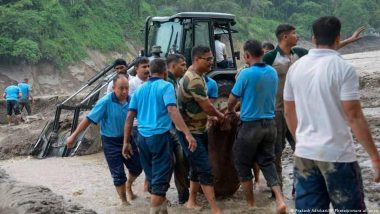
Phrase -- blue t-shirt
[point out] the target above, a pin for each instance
(12, 92)
(256, 86)
(25, 90)
(212, 88)
(111, 114)
(150, 103)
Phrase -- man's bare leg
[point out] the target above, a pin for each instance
(192, 202)
(248, 191)
(280, 203)
(158, 205)
(9, 118)
(210, 196)
(130, 194)
(146, 185)
(121, 191)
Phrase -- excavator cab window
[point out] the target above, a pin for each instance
(167, 35)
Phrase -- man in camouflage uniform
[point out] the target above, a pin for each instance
(194, 106)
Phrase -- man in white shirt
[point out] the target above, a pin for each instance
(220, 53)
(142, 74)
(322, 103)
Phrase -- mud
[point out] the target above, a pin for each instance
(17, 197)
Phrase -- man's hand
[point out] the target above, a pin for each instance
(192, 142)
(70, 141)
(127, 150)
(376, 167)
(356, 35)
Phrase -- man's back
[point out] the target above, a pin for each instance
(257, 87)
(12, 92)
(318, 83)
(25, 90)
(150, 102)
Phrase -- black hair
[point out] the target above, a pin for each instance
(253, 47)
(268, 45)
(158, 66)
(217, 37)
(118, 76)
(283, 29)
(119, 62)
(199, 51)
(174, 58)
(326, 29)
(141, 60)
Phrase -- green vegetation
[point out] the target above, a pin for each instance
(60, 31)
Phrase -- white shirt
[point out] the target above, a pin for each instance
(220, 50)
(318, 82)
(134, 84)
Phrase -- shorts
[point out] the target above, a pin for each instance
(320, 183)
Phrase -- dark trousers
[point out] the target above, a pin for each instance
(200, 167)
(320, 183)
(255, 142)
(113, 147)
(156, 156)
(280, 142)
(25, 104)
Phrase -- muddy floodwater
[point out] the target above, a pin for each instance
(87, 181)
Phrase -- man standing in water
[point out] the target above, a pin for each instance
(111, 111)
(194, 106)
(256, 87)
(154, 104)
(322, 107)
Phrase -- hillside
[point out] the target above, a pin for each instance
(61, 32)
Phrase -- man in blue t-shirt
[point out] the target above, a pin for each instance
(25, 96)
(111, 111)
(11, 94)
(154, 105)
(212, 89)
(256, 87)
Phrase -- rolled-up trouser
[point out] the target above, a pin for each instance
(320, 183)
(113, 147)
(181, 169)
(280, 142)
(156, 155)
(200, 168)
(255, 140)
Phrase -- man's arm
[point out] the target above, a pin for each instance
(359, 126)
(354, 37)
(232, 102)
(127, 150)
(81, 127)
(4, 95)
(178, 121)
(291, 117)
(209, 108)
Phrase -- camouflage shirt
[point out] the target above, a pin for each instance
(192, 88)
(281, 62)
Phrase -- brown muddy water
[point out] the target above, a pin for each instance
(87, 181)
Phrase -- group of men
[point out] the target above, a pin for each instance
(161, 125)
(17, 98)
